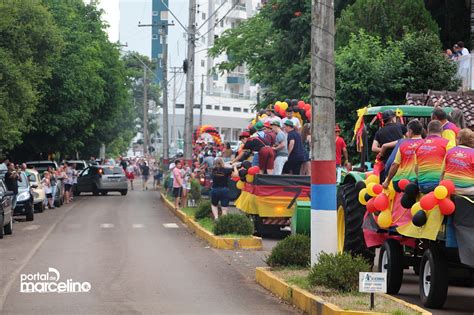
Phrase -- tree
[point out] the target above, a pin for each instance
(29, 45)
(389, 19)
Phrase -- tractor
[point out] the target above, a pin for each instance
(438, 261)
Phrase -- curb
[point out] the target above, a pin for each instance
(251, 243)
(310, 303)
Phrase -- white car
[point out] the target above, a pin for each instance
(39, 195)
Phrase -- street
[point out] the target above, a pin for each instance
(137, 257)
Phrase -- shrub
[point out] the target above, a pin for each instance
(195, 192)
(338, 271)
(204, 210)
(295, 250)
(233, 223)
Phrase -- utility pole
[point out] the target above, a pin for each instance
(145, 113)
(174, 71)
(189, 102)
(202, 99)
(166, 139)
(323, 164)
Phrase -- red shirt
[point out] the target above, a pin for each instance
(340, 145)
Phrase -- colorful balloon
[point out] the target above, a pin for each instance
(428, 202)
(420, 218)
(372, 179)
(362, 193)
(308, 114)
(412, 190)
(249, 178)
(449, 185)
(370, 189)
(403, 183)
(381, 202)
(301, 104)
(370, 206)
(253, 170)
(377, 189)
(283, 106)
(277, 108)
(415, 208)
(307, 107)
(441, 192)
(240, 185)
(384, 219)
(446, 206)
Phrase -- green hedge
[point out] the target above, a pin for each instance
(233, 223)
(294, 250)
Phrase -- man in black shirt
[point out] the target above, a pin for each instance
(386, 138)
(11, 181)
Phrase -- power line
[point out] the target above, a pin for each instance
(227, 13)
(213, 13)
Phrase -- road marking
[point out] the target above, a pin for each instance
(138, 226)
(106, 225)
(171, 225)
(31, 227)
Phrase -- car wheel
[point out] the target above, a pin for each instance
(76, 192)
(391, 262)
(124, 192)
(104, 193)
(433, 278)
(95, 191)
(40, 207)
(1, 230)
(30, 212)
(8, 229)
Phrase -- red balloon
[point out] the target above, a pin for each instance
(402, 184)
(307, 107)
(377, 189)
(370, 206)
(235, 179)
(277, 108)
(381, 202)
(308, 114)
(446, 206)
(283, 113)
(428, 202)
(301, 104)
(253, 170)
(448, 184)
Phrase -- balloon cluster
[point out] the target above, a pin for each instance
(209, 130)
(300, 109)
(246, 174)
(376, 200)
(440, 197)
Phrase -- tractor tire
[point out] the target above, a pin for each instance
(391, 262)
(434, 279)
(350, 227)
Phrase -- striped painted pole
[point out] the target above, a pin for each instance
(323, 165)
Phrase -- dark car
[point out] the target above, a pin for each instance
(6, 211)
(102, 179)
(24, 199)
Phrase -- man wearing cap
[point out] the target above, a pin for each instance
(341, 148)
(280, 147)
(242, 154)
(271, 116)
(386, 138)
(289, 116)
(295, 150)
(266, 155)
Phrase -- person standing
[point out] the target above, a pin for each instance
(289, 117)
(295, 150)
(46, 181)
(341, 148)
(68, 182)
(220, 189)
(450, 130)
(430, 156)
(266, 155)
(145, 170)
(227, 154)
(306, 138)
(12, 177)
(177, 183)
(280, 147)
(459, 164)
(130, 172)
(404, 164)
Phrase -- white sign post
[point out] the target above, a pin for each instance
(372, 282)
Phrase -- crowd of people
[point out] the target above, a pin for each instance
(458, 50)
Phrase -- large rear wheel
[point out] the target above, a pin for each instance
(349, 224)
(433, 278)
(391, 262)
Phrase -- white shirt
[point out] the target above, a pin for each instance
(464, 52)
(296, 122)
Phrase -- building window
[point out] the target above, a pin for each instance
(208, 106)
(237, 109)
(164, 15)
(204, 40)
(217, 107)
(154, 36)
(203, 15)
(222, 23)
(215, 77)
(155, 13)
(202, 63)
(246, 110)
(179, 105)
(226, 108)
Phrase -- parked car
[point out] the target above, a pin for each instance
(6, 211)
(80, 164)
(101, 179)
(24, 199)
(39, 194)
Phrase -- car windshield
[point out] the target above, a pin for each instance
(112, 170)
(40, 166)
(32, 178)
(24, 181)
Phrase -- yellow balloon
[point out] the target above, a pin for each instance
(278, 103)
(385, 219)
(249, 178)
(284, 105)
(370, 189)
(263, 116)
(254, 121)
(372, 179)
(441, 192)
(391, 190)
(240, 185)
(415, 208)
(362, 196)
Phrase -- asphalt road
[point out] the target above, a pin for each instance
(137, 257)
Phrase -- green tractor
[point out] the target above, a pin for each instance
(437, 263)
